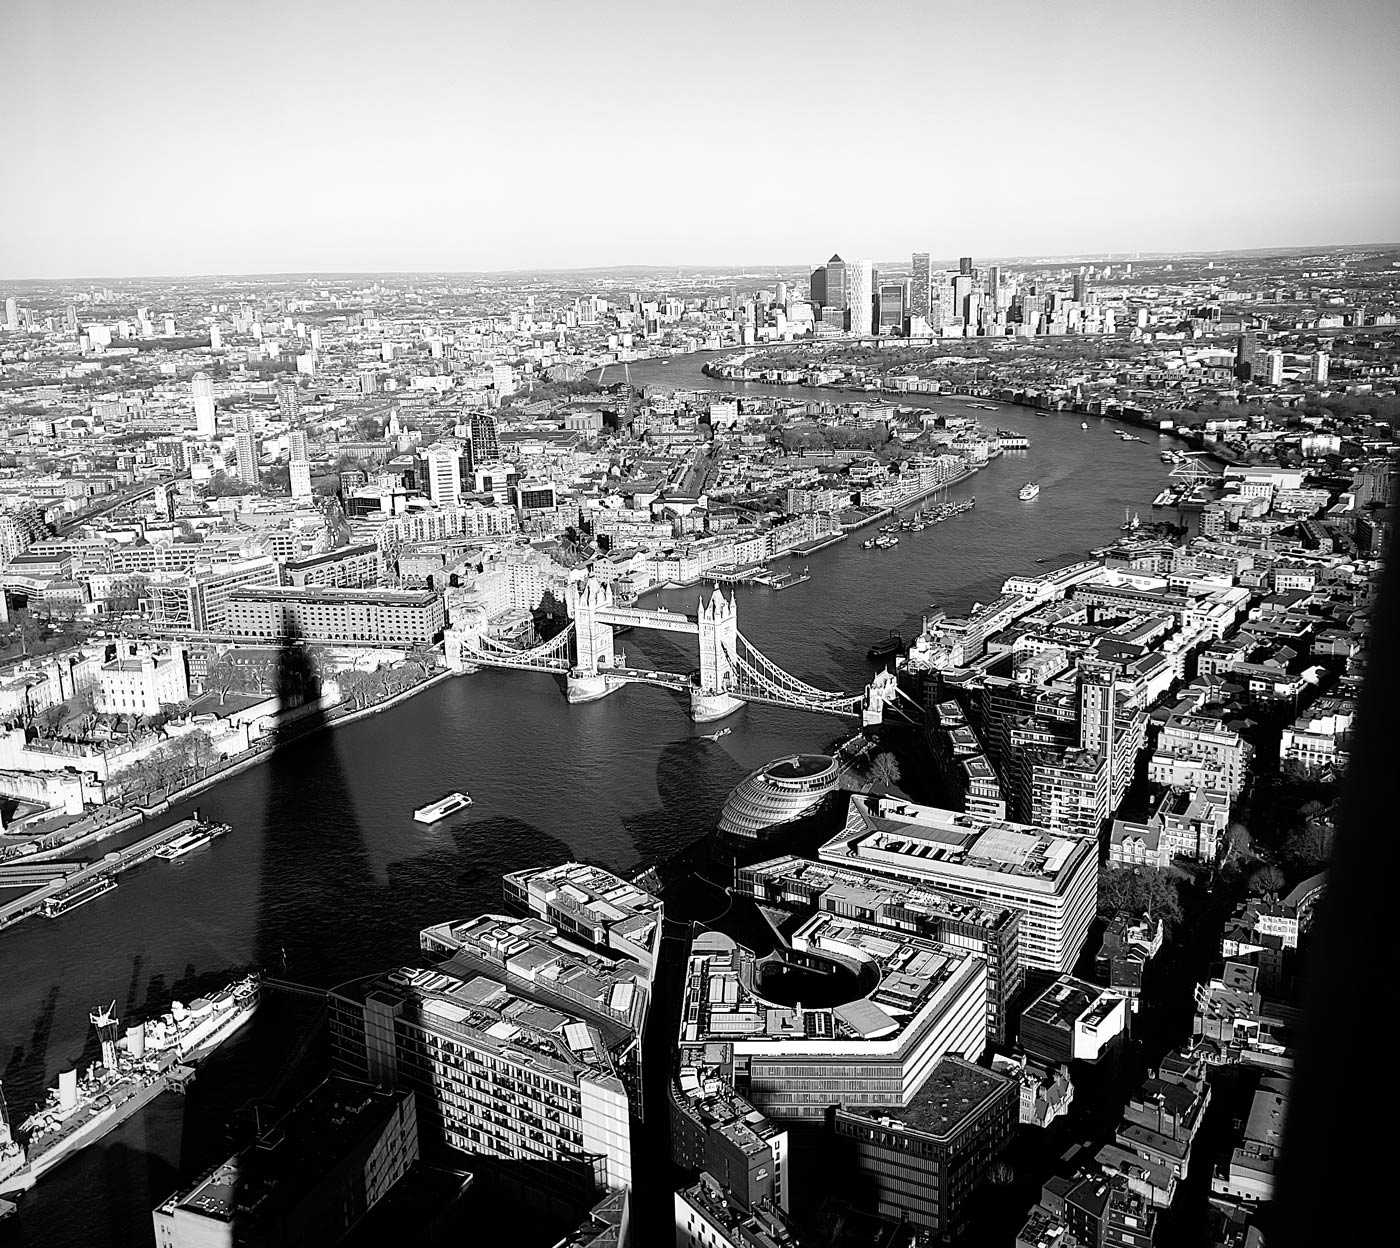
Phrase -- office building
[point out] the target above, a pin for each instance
(590, 904)
(1051, 879)
(860, 297)
(925, 1162)
(716, 1130)
(12, 314)
(991, 932)
(920, 290)
(907, 1003)
(892, 307)
(309, 1179)
(994, 287)
(777, 794)
(965, 266)
(202, 396)
(345, 567)
(442, 468)
(836, 291)
(486, 446)
(1073, 1020)
(386, 617)
(496, 1074)
(816, 286)
(199, 601)
(534, 959)
(1081, 287)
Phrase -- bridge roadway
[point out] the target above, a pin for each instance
(113, 863)
(661, 621)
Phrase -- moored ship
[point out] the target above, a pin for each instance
(134, 1070)
(188, 842)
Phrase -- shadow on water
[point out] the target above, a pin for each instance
(313, 892)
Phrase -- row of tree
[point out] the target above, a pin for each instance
(177, 760)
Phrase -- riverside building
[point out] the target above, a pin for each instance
(590, 904)
(889, 1010)
(496, 1074)
(1052, 880)
(389, 617)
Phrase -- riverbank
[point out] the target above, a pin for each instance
(142, 809)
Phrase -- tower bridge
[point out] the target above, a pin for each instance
(731, 670)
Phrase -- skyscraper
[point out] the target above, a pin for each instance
(836, 283)
(892, 306)
(245, 445)
(299, 470)
(443, 468)
(919, 290)
(289, 400)
(816, 291)
(486, 447)
(994, 286)
(216, 339)
(202, 394)
(12, 314)
(1081, 287)
(965, 265)
(860, 296)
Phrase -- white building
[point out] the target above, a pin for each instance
(141, 682)
(1051, 879)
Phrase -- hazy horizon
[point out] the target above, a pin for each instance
(439, 137)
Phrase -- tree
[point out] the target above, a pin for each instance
(201, 751)
(124, 598)
(1266, 879)
(1140, 890)
(221, 678)
(1309, 845)
(884, 771)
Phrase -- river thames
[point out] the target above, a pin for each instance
(326, 864)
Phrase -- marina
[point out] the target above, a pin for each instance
(77, 887)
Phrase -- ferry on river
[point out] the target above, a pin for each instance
(1028, 491)
(188, 842)
(61, 903)
(443, 807)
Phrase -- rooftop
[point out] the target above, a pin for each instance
(955, 1092)
(291, 1155)
(900, 836)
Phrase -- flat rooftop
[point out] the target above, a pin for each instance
(898, 836)
(794, 878)
(955, 1092)
(291, 1155)
(491, 1016)
(1064, 1002)
(721, 1004)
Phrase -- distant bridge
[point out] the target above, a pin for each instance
(732, 669)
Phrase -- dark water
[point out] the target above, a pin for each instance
(327, 864)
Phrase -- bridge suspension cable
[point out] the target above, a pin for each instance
(772, 672)
(556, 648)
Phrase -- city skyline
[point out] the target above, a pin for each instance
(496, 146)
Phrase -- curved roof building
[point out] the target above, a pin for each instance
(778, 792)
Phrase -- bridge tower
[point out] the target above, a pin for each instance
(712, 698)
(593, 640)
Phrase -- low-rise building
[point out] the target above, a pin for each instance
(1073, 1020)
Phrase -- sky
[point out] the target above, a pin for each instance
(184, 137)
